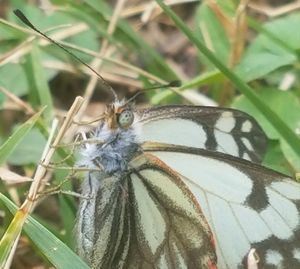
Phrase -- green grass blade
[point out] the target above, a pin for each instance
(287, 134)
(10, 236)
(10, 144)
(38, 82)
(52, 248)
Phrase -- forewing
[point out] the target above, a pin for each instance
(211, 128)
(146, 218)
(247, 206)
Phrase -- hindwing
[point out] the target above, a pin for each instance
(146, 218)
(247, 205)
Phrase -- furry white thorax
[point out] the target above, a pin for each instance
(115, 152)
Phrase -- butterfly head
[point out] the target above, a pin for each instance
(119, 115)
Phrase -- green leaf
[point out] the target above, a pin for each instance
(11, 143)
(287, 134)
(38, 82)
(13, 78)
(68, 215)
(275, 46)
(52, 248)
(25, 153)
(258, 64)
(275, 159)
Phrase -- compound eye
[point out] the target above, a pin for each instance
(125, 118)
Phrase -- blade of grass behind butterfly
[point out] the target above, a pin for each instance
(288, 135)
(54, 250)
(152, 59)
(38, 83)
(7, 148)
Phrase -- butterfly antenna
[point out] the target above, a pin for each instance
(24, 19)
(174, 83)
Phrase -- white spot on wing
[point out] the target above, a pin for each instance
(247, 143)
(246, 126)
(226, 122)
(296, 253)
(225, 140)
(274, 257)
(246, 156)
(226, 143)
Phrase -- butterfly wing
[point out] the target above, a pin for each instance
(247, 205)
(211, 128)
(146, 218)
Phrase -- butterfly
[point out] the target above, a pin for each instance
(180, 187)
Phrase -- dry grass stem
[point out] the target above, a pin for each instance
(275, 11)
(48, 153)
(16, 100)
(16, 53)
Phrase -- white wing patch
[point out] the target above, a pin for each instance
(247, 217)
(226, 143)
(225, 125)
(226, 122)
(232, 250)
(175, 131)
(247, 126)
(285, 208)
(151, 218)
(275, 258)
(216, 177)
(296, 254)
(247, 143)
(276, 224)
(287, 188)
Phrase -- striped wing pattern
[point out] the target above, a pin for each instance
(214, 129)
(137, 220)
(247, 206)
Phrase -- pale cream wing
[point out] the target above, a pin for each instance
(247, 205)
(146, 218)
(216, 129)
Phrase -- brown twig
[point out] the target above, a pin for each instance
(20, 103)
